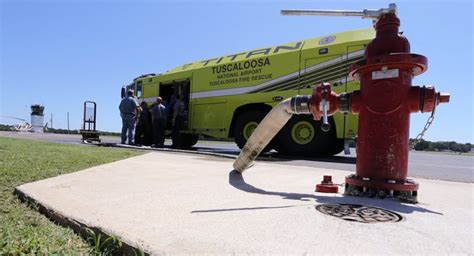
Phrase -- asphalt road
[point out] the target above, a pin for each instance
(430, 165)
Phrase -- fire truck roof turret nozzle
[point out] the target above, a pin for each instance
(365, 14)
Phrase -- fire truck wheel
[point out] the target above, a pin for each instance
(245, 125)
(188, 140)
(336, 147)
(303, 136)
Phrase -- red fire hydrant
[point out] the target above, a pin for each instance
(384, 103)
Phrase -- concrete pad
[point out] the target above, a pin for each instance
(174, 203)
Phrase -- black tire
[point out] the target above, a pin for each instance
(188, 140)
(337, 146)
(245, 124)
(302, 136)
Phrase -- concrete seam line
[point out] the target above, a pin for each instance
(262, 158)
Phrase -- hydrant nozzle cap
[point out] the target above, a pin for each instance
(444, 97)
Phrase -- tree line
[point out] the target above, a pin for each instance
(425, 145)
(4, 127)
(65, 131)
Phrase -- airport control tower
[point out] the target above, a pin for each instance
(37, 118)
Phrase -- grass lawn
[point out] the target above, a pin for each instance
(22, 229)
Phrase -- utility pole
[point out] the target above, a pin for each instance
(67, 122)
(51, 122)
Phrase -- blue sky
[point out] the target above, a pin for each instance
(61, 53)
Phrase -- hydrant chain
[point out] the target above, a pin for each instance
(422, 133)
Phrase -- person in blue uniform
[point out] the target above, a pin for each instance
(129, 109)
(158, 119)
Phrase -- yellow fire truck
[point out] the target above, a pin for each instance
(227, 96)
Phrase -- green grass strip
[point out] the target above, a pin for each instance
(22, 229)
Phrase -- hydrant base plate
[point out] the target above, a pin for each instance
(404, 196)
(405, 185)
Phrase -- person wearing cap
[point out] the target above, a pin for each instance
(158, 119)
(129, 109)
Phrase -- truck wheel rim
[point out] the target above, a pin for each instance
(302, 132)
(249, 128)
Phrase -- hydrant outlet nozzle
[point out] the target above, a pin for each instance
(429, 98)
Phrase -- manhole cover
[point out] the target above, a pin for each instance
(359, 213)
